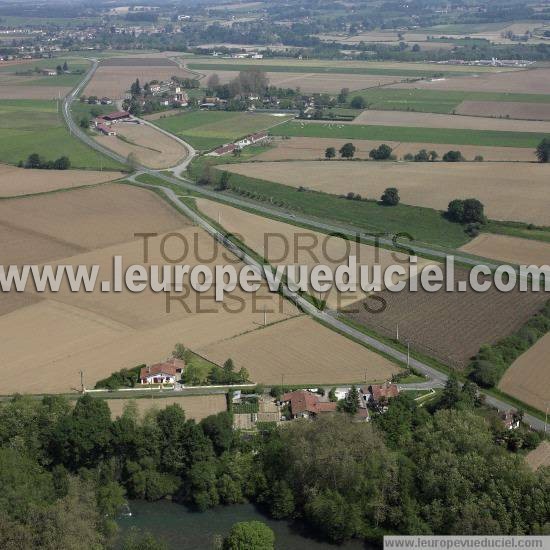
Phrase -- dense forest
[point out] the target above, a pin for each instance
(449, 469)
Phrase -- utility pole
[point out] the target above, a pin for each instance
(81, 381)
(397, 332)
(265, 317)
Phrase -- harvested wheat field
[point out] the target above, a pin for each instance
(505, 109)
(314, 82)
(539, 457)
(151, 148)
(533, 81)
(196, 407)
(512, 250)
(509, 191)
(303, 148)
(284, 244)
(49, 337)
(528, 378)
(90, 218)
(301, 351)
(433, 120)
(450, 326)
(15, 182)
(11, 90)
(115, 75)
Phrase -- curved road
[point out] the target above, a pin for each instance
(437, 378)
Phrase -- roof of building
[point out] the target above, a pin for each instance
(170, 367)
(116, 115)
(105, 129)
(304, 401)
(384, 391)
(225, 149)
(257, 136)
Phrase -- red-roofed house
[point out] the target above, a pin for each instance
(304, 404)
(225, 149)
(107, 130)
(258, 137)
(162, 373)
(116, 116)
(380, 393)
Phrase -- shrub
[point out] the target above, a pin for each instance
(358, 102)
(479, 158)
(453, 156)
(390, 197)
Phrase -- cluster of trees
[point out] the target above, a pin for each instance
(60, 69)
(347, 151)
(34, 160)
(453, 156)
(253, 82)
(492, 361)
(382, 152)
(390, 197)
(467, 211)
(422, 156)
(69, 470)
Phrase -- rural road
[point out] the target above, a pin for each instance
(438, 379)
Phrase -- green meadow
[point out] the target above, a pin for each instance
(36, 126)
(206, 130)
(409, 134)
(435, 101)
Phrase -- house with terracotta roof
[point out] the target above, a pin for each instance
(379, 394)
(304, 404)
(162, 373)
(116, 116)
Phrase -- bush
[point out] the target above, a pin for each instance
(358, 102)
(453, 156)
(408, 157)
(543, 150)
(390, 197)
(479, 158)
(466, 211)
(422, 156)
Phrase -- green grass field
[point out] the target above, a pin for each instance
(435, 101)
(76, 64)
(409, 134)
(424, 224)
(206, 130)
(31, 126)
(328, 69)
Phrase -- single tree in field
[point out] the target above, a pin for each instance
(213, 81)
(433, 156)
(347, 151)
(543, 150)
(135, 88)
(59, 69)
(455, 210)
(179, 351)
(473, 211)
(224, 181)
(390, 197)
(330, 153)
(383, 152)
(343, 95)
(132, 161)
(453, 156)
(65, 67)
(358, 102)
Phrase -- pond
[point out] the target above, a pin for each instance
(181, 528)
